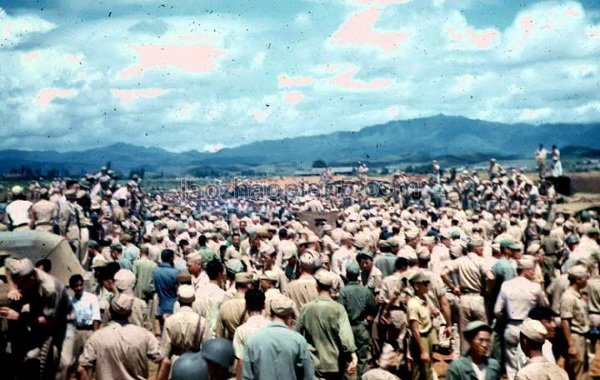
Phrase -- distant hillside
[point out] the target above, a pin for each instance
(452, 139)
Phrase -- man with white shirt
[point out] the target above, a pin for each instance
(516, 299)
(17, 211)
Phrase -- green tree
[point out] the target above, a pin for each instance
(319, 164)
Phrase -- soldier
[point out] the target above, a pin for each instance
(119, 350)
(184, 331)
(219, 356)
(276, 343)
(421, 327)
(517, 297)
(575, 322)
(361, 308)
(540, 158)
(87, 312)
(475, 364)
(124, 281)
(370, 276)
(232, 312)
(255, 305)
(143, 268)
(17, 211)
(386, 260)
(532, 337)
(43, 213)
(190, 366)
(209, 297)
(325, 325)
(471, 273)
(42, 311)
(304, 289)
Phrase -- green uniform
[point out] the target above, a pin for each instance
(325, 325)
(276, 352)
(208, 255)
(144, 284)
(359, 302)
(462, 369)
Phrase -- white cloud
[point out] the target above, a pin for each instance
(14, 29)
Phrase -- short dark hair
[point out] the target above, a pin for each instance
(202, 240)
(167, 255)
(255, 300)
(45, 264)
(213, 269)
(283, 233)
(75, 279)
(541, 313)
(401, 263)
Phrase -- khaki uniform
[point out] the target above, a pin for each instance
(302, 290)
(470, 271)
(184, 332)
(245, 331)
(120, 352)
(209, 298)
(43, 214)
(539, 368)
(419, 310)
(232, 314)
(573, 308)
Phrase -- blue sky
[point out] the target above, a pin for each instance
(203, 75)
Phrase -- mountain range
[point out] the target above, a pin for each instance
(452, 139)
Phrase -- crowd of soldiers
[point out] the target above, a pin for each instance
(466, 271)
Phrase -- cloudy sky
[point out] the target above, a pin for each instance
(194, 74)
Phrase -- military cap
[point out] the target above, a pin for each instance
(568, 225)
(444, 235)
(419, 277)
(352, 268)
(411, 234)
(476, 242)
(474, 327)
(122, 304)
(266, 249)
(361, 241)
(307, 261)
(423, 253)
(244, 278)
(16, 190)
(125, 237)
(194, 257)
(393, 242)
(116, 247)
(4, 253)
(506, 243)
(270, 275)
(592, 231)
(282, 306)
(323, 277)
(429, 240)
(184, 278)
(124, 279)
(364, 255)
(22, 267)
(534, 330)
(578, 271)
(93, 244)
(186, 294)
(234, 266)
(99, 261)
(525, 263)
